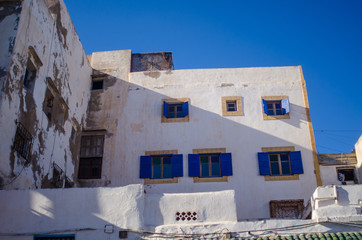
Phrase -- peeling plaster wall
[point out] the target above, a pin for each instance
(136, 110)
(50, 32)
(9, 20)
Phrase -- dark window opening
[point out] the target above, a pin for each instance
(274, 108)
(97, 84)
(91, 155)
(23, 141)
(58, 176)
(175, 111)
(231, 106)
(48, 104)
(349, 174)
(30, 75)
(291, 209)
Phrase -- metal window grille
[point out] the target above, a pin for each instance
(23, 141)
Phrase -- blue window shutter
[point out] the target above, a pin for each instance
(296, 162)
(285, 105)
(177, 166)
(194, 165)
(145, 167)
(265, 106)
(264, 167)
(226, 164)
(185, 109)
(165, 109)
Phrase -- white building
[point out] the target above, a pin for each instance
(116, 118)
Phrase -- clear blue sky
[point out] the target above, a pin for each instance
(325, 37)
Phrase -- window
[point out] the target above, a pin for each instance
(23, 141)
(213, 165)
(32, 66)
(54, 237)
(30, 75)
(348, 174)
(175, 110)
(286, 208)
(280, 163)
(231, 106)
(161, 165)
(54, 106)
(91, 155)
(48, 104)
(58, 176)
(275, 107)
(97, 84)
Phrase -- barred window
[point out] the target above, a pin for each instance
(23, 141)
(91, 154)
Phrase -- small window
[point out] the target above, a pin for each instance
(91, 155)
(97, 84)
(48, 104)
(275, 107)
(280, 163)
(161, 166)
(210, 165)
(58, 176)
(231, 106)
(30, 75)
(23, 141)
(346, 175)
(175, 110)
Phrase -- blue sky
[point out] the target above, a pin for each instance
(325, 37)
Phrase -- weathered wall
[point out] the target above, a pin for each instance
(83, 211)
(163, 209)
(137, 108)
(358, 148)
(9, 20)
(65, 67)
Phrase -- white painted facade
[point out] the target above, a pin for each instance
(85, 212)
(131, 110)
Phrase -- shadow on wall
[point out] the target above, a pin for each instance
(136, 111)
(55, 211)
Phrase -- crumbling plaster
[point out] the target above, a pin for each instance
(66, 65)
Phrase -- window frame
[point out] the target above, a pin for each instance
(353, 169)
(295, 160)
(225, 161)
(162, 157)
(87, 160)
(31, 70)
(285, 107)
(238, 104)
(280, 161)
(146, 169)
(184, 102)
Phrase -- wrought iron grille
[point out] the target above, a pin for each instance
(23, 141)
